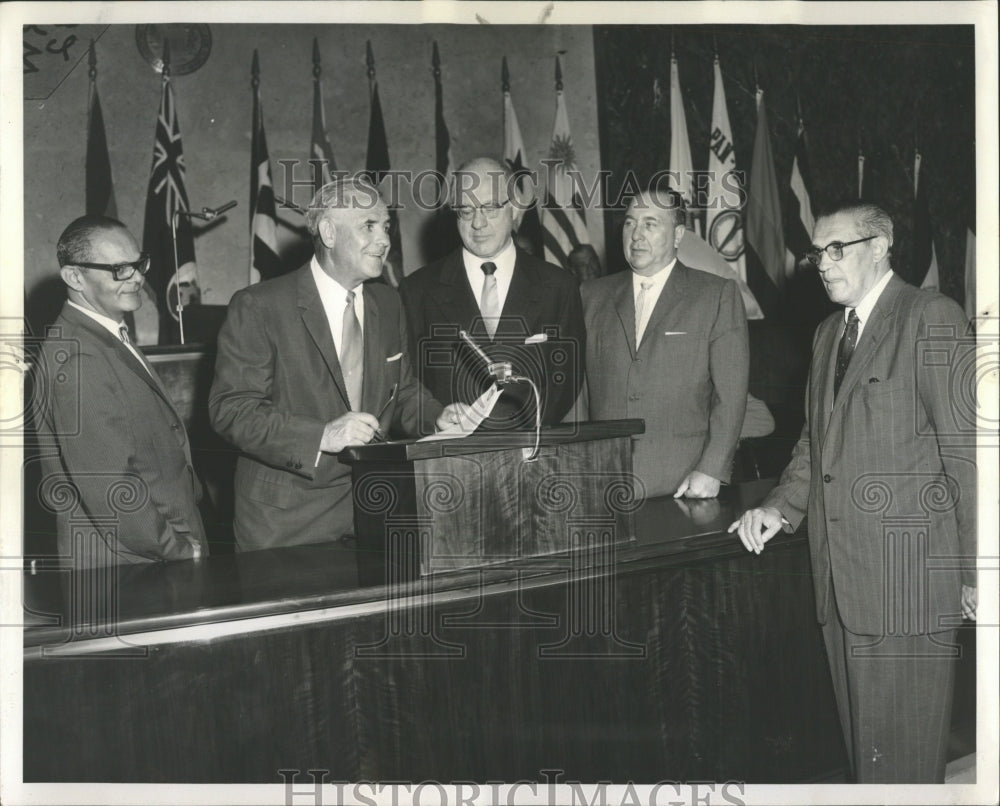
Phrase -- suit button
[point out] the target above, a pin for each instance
(827, 478)
(637, 361)
(175, 426)
(288, 464)
(634, 396)
(298, 465)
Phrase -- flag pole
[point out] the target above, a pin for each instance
(370, 61)
(173, 216)
(92, 69)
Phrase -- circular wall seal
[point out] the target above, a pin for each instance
(190, 45)
(726, 234)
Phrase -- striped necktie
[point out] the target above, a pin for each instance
(846, 349)
(352, 353)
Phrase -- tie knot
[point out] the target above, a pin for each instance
(489, 268)
(123, 333)
(350, 297)
(645, 285)
(852, 317)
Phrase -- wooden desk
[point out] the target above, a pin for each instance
(677, 657)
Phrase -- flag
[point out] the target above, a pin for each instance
(376, 167)
(765, 233)
(680, 146)
(697, 253)
(564, 226)
(264, 260)
(924, 268)
(100, 190)
(164, 196)
(971, 311)
(442, 235)
(527, 223)
(861, 174)
(723, 219)
(320, 151)
(800, 220)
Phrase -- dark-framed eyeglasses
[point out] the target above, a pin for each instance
(835, 249)
(491, 211)
(120, 271)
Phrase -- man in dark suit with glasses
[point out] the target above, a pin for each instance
(116, 461)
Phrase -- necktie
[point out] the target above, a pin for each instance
(351, 353)
(123, 332)
(127, 341)
(489, 300)
(846, 349)
(640, 304)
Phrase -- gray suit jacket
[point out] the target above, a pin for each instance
(887, 472)
(117, 469)
(687, 379)
(278, 382)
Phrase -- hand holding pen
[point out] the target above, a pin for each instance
(380, 432)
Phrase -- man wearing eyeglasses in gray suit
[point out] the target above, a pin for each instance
(885, 470)
(116, 460)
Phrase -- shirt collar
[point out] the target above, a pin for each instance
(106, 322)
(327, 286)
(504, 260)
(864, 308)
(658, 280)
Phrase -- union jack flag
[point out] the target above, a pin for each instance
(265, 261)
(166, 194)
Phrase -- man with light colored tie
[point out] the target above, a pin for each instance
(515, 307)
(120, 478)
(668, 344)
(885, 469)
(310, 363)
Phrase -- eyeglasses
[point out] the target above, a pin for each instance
(491, 211)
(834, 249)
(120, 271)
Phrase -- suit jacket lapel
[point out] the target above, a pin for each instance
(625, 308)
(318, 326)
(374, 364)
(674, 291)
(454, 299)
(523, 301)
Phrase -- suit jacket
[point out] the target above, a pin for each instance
(887, 472)
(278, 382)
(687, 379)
(118, 439)
(542, 299)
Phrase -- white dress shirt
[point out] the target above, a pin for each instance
(334, 298)
(864, 309)
(658, 280)
(504, 260)
(114, 328)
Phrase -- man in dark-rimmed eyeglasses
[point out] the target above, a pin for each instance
(122, 483)
(885, 470)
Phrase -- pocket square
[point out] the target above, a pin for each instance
(674, 332)
(395, 357)
(538, 338)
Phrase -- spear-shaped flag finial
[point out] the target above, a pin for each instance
(255, 70)
(559, 84)
(92, 61)
(316, 62)
(504, 76)
(436, 61)
(166, 57)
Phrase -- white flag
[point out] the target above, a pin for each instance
(680, 146)
(723, 219)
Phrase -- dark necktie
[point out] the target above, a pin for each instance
(846, 349)
(351, 353)
(489, 300)
(127, 341)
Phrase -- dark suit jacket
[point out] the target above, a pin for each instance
(878, 471)
(115, 434)
(687, 379)
(542, 299)
(278, 382)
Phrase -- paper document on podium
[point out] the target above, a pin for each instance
(471, 418)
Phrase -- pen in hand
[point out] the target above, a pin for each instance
(379, 433)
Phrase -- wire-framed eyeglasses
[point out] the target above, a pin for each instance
(835, 249)
(120, 271)
(491, 211)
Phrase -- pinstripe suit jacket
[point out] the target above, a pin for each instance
(278, 382)
(687, 379)
(121, 442)
(884, 472)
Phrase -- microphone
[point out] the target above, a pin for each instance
(209, 213)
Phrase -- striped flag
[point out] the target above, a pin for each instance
(320, 152)
(680, 145)
(265, 262)
(723, 218)
(799, 225)
(376, 167)
(528, 225)
(100, 189)
(765, 233)
(924, 269)
(165, 195)
(564, 226)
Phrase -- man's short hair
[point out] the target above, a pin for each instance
(871, 219)
(665, 198)
(342, 193)
(500, 168)
(76, 243)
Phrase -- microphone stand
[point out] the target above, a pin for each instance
(206, 214)
(502, 372)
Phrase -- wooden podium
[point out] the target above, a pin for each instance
(422, 507)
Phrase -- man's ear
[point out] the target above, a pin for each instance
(71, 276)
(679, 231)
(880, 248)
(327, 232)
